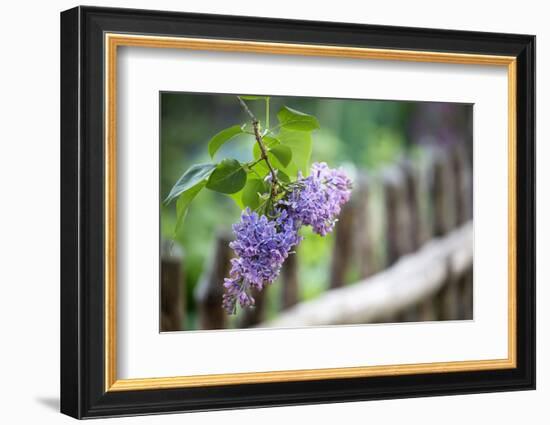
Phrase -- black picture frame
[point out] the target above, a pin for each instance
(83, 392)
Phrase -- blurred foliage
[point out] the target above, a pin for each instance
(355, 134)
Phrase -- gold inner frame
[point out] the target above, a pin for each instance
(113, 41)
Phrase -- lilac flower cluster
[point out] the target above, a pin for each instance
(263, 244)
(317, 200)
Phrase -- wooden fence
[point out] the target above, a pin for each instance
(424, 271)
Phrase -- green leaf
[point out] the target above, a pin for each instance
(182, 204)
(237, 197)
(253, 97)
(223, 136)
(295, 120)
(279, 156)
(282, 152)
(268, 143)
(300, 143)
(194, 175)
(228, 177)
(282, 176)
(261, 169)
(251, 190)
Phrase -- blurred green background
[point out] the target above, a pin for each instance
(355, 134)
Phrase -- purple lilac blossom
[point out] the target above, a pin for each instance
(261, 246)
(317, 200)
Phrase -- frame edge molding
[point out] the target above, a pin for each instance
(84, 382)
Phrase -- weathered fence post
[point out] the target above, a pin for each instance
(445, 217)
(464, 203)
(172, 287)
(447, 298)
(462, 182)
(428, 308)
(466, 289)
(412, 188)
(416, 225)
(342, 251)
(252, 316)
(398, 222)
(289, 278)
(442, 193)
(398, 219)
(362, 231)
(209, 292)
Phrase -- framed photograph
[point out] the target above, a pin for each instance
(261, 212)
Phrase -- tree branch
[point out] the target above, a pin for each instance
(258, 136)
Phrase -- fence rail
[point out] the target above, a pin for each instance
(414, 278)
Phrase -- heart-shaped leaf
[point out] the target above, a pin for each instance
(268, 142)
(182, 204)
(228, 177)
(301, 144)
(194, 175)
(222, 137)
(282, 152)
(251, 190)
(282, 176)
(237, 197)
(295, 120)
